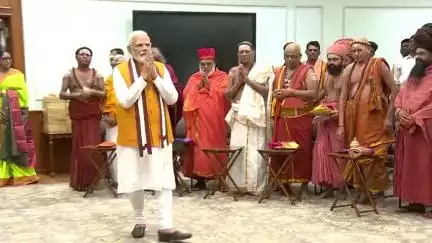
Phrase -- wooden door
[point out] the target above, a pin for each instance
(11, 18)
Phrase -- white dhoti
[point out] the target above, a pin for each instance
(249, 172)
(247, 120)
(111, 135)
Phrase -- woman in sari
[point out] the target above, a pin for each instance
(17, 153)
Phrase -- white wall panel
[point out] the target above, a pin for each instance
(50, 38)
(385, 26)
(53, 33)
(308, 25)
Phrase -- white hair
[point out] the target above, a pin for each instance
(135, 34)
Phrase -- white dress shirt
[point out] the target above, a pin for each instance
(403, 69)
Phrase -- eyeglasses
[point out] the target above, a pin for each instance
(6, 58)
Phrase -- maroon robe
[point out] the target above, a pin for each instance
(85, 131)
(175, 110)
(413, 172)
(297, 128)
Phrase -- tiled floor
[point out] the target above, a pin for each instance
(52, 213)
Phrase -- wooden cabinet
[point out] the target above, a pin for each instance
(11, 18)
(52, 151)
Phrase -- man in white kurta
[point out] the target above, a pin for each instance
(142, 167)
(248, 89)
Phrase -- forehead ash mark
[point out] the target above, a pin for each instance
(245, 47)
(84, 51)
(6, 55)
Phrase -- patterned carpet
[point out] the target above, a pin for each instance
(53, 213)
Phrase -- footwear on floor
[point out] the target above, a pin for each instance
(138, 231)
(173, 236)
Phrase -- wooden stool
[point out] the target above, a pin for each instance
(275, 178)
(179, 147)
(364, 178)
(103, 170)
(233, 152)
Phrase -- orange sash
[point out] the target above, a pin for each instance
(298, 79)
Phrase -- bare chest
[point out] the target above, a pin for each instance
(85, 78)
(82, 80)
(332, 87)
(287, 78)
(355, 83)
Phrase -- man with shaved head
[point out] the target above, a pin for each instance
(295, 88)
(248, 88)
(365, 113)
(325, 172)
(144, 90)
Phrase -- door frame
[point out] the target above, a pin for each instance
(16, 33)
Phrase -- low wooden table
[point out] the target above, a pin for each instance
(233, 152)
(103, 170)
(274, 178)
(51, 138)
(364, 178)
(179, 147)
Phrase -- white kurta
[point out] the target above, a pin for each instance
(111, 135)
(154, 171)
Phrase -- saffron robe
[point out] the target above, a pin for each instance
(248, 129)
(320, 69)
(413, 180)
(324, 170)
(109, 104)
(364, 120)
(109, 109)
(144, 149)
(204, 112)
(293, 122)
(17, 152)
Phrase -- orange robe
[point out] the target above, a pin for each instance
(320, 69)
(293, 122)
(364, 120)
(204, 111)
(109, 104)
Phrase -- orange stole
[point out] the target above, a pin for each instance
(126, 118)
(109, 104)
(364, 119)
(320, 69)
(297, 82)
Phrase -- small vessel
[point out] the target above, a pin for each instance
(354, 143)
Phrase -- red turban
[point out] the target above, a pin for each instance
(337, 49)
(341, 47)
(347, 42)
(206, 53)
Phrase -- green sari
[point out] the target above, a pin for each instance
(14, 172)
